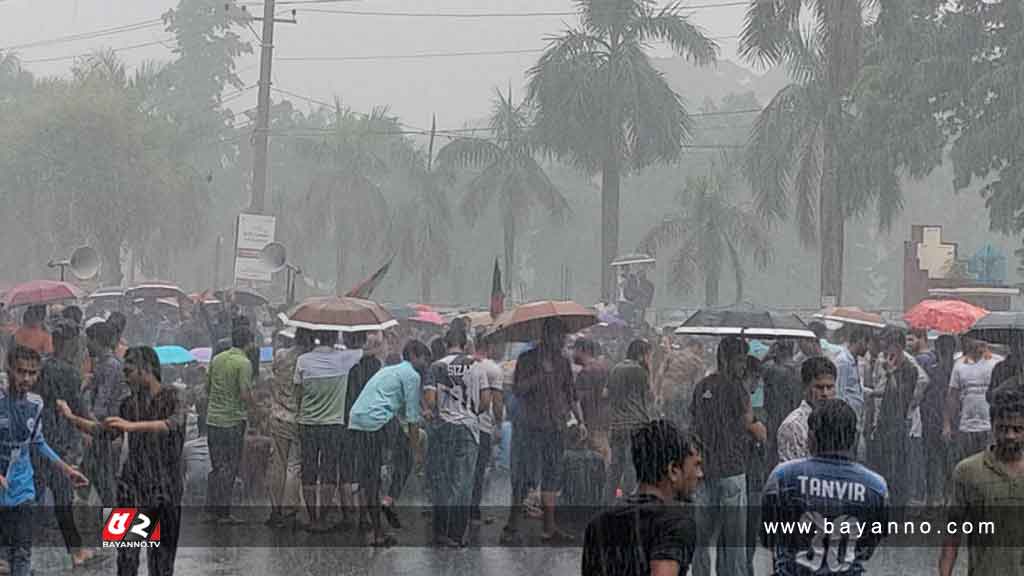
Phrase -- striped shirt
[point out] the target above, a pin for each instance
(323, 376)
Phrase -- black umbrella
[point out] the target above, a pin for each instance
(746, 322)
(998, 328)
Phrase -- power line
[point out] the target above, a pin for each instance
(536, 14)
(84, 54)
(416, 56)
(124, 28)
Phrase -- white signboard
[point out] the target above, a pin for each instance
(254, 232)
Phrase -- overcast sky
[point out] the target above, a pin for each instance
(458, 89)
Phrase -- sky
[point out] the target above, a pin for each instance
(456, 89)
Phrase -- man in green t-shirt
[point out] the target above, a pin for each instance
(989, 487)
(228, 385)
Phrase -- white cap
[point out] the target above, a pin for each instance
(93, 321)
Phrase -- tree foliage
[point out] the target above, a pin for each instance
(506, 172)
(602, 105)
(710, 229)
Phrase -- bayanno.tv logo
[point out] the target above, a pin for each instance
(129, 528)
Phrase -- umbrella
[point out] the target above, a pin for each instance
(40, 292)
(202, 355)
(949, 316)
(155, 290)
(525, 323)
(426, 315)
(745, 322)
(851, 315)
(341, 314)
(109, 293)
(610, 319)
(632, 260)
(478, 319)
(242, 297)
(174, 355)
(998, 328)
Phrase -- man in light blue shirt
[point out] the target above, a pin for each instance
(849, 388)
(391, 396)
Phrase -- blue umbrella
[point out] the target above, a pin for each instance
(174, 355)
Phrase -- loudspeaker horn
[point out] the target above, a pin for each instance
(274, 256)
(84, 262)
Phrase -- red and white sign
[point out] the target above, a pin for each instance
(254, 232)
(129, 528)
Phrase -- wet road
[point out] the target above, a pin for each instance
(420, 561)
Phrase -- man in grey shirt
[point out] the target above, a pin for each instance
(104, 394)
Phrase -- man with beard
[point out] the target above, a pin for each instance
(650, 533)
(994, 475)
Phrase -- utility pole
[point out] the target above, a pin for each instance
(260, 162)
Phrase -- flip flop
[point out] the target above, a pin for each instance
(90, 561)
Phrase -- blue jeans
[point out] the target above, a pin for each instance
(16, 538)
(721, 513)
(456, 451)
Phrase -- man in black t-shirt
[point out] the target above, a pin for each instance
(651, 532)
(723, 418)
(152, 478)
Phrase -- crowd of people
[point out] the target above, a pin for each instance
(676, 449)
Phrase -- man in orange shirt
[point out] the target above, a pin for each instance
(32, 334)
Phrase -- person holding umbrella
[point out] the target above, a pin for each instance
(546, 398)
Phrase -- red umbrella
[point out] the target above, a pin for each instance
(949, 316)
(41, 292)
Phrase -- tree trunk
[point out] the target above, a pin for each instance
(110, 258)
(611, 180)
(711, 288)
(425, 280)
(831, 220)
(341, 246)
(510, 253)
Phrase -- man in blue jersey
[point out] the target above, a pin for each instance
(21, 432)
(820, 514)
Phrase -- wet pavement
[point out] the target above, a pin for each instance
(420, 561)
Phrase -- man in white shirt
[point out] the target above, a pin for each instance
(486, 374)
(819, 378)
(966, 405)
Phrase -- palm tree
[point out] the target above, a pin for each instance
(796, 148)
(602, 105)
(422, 224)
(351, 156)
(709, 228)
(509, 174)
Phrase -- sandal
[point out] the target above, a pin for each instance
(385, 541)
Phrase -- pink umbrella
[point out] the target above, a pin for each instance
(40, 292)
(427, 315)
